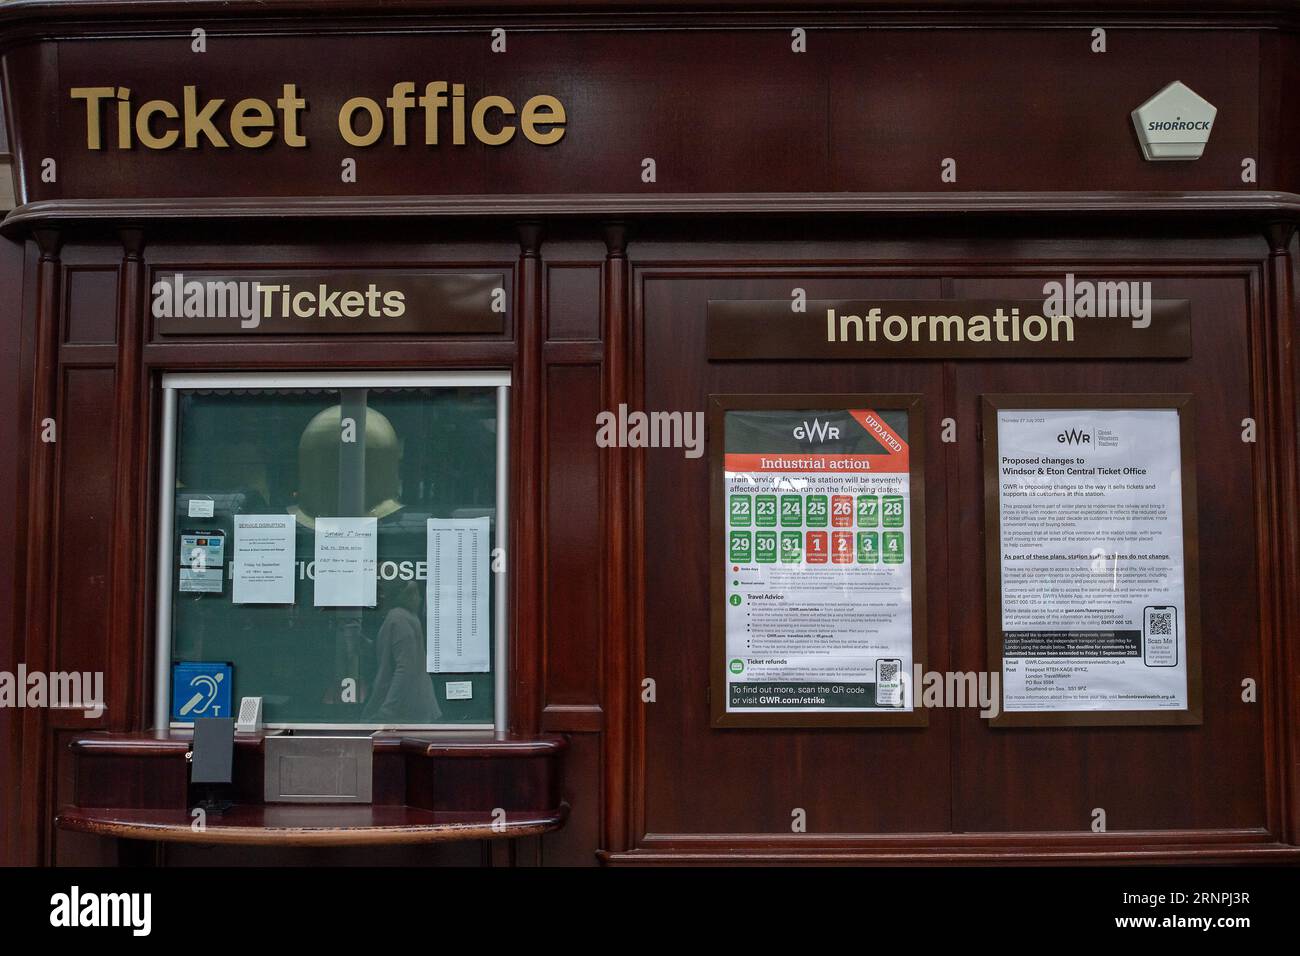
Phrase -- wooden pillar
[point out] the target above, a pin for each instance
(526, 446)
(618, 616)
(1284, 392)
(127, 701)
(40, 520)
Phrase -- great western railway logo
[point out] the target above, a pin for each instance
(816, 431)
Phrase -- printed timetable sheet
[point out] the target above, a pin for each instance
(457, 592)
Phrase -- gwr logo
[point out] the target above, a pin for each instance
(817, 431)
(1074, 436)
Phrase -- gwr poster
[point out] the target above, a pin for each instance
(818, 557)
(1094, 611)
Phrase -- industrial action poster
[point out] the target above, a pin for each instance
(818, 559)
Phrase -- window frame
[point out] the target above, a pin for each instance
(172, 383)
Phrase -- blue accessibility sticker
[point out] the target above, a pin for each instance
(201, 689)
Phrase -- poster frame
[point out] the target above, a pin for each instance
(719, 405)
(1182, 403)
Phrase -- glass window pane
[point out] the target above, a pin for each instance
(397, 455)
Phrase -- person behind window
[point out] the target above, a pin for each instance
(402, 691)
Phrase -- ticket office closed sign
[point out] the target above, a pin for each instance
(820, 545)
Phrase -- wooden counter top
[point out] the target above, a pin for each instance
(310, 825)
(428, 787)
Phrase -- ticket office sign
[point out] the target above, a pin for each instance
(1091, 536)
(817, 560)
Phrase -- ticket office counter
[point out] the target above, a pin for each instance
(254, 446)
(252, 425)
(551, 283)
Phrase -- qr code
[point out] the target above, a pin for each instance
(888, 670)
(1160, 623)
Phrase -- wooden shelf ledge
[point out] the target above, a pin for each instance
(427, 787)
(470, 744)
(1251, 204)
(302, 825)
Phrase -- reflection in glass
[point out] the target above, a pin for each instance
(398, 455)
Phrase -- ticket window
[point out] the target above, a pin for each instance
(334, 545)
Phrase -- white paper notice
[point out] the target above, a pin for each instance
(457, 595)
(346, 553)
(1093, 603)
(264, 559)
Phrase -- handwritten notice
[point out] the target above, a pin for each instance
(346, 562)
(264, 559)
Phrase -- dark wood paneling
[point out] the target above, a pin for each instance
(621, 619)
(573, 302)
(1274, 89)
(37, 550)
(90, 312)
(4, 133)
(697, 780)
(1032, 109)
(27, 102)
(573, 531)
(700, 789)
(743, 126)
(861, 110)
(524, 673)
(85, 520)
(74, 849)
(1051, 779)
(576, 843)
(693, 787)
(832, 138)
(14, 436)
(1276, 379)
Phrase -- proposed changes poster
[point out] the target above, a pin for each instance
(1094, 611)
(818, 560)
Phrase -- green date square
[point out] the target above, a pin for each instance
(818, 511)
(868, 511)
(791, 547)
(765, 511)
(891, 511)
(868, 547)
(892, 543)
(765, 547)
(742, 511)
(791, 511)
(742, 547)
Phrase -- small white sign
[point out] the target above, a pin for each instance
(201, 507)
(460, 689)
